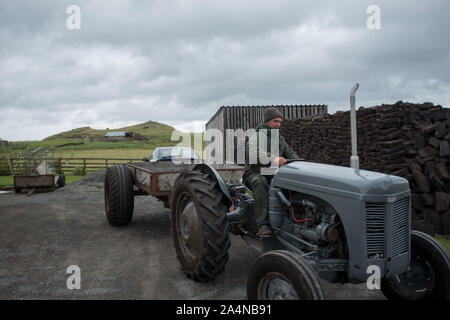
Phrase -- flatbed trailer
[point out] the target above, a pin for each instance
(158, 178)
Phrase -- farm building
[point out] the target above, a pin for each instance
(248, 117)
(123, 136)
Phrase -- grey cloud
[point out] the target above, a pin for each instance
(178, 61)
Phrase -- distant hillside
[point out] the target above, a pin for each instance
(149, 128)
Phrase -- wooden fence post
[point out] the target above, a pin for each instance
(58, 165)
(12, 165)
(5, 150)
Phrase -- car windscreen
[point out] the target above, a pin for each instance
(184, 153)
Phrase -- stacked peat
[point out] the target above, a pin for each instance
(404, 139)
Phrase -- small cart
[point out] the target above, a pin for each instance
(36, 169)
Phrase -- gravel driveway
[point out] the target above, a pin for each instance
(43, 234)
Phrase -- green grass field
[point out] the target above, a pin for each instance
(6, 181)
(100, 149)
(105, 153)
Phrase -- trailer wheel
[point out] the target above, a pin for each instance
(61, 180)
(119, 196)
(200, 226)
(17, 190)
(283, 275)
(428, 274)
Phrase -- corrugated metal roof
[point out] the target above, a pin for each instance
(116, 134)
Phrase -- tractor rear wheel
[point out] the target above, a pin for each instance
(119, 195)
(283, 275)
(428, 274)
(199, 224)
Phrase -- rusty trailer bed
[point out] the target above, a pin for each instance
(158, 178)
(35, 181)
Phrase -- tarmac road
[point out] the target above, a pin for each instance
(42, 235)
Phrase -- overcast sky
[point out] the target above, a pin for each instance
(177, 62)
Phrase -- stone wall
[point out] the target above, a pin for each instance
(404, 139)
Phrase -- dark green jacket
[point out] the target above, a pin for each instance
(284, 150)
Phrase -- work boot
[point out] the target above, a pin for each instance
(264, 231)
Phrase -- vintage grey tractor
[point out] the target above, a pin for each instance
(338, 223)
(329, 222)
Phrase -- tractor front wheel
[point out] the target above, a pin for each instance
(428, 274)
(283, 275)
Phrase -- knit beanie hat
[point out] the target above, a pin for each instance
(272, 113)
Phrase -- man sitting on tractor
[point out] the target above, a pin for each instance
(253, 177)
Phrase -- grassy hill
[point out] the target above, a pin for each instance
(69, 144)
(149, 128)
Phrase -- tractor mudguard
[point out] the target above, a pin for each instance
(223, 186)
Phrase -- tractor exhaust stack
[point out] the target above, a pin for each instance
(354, 159)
